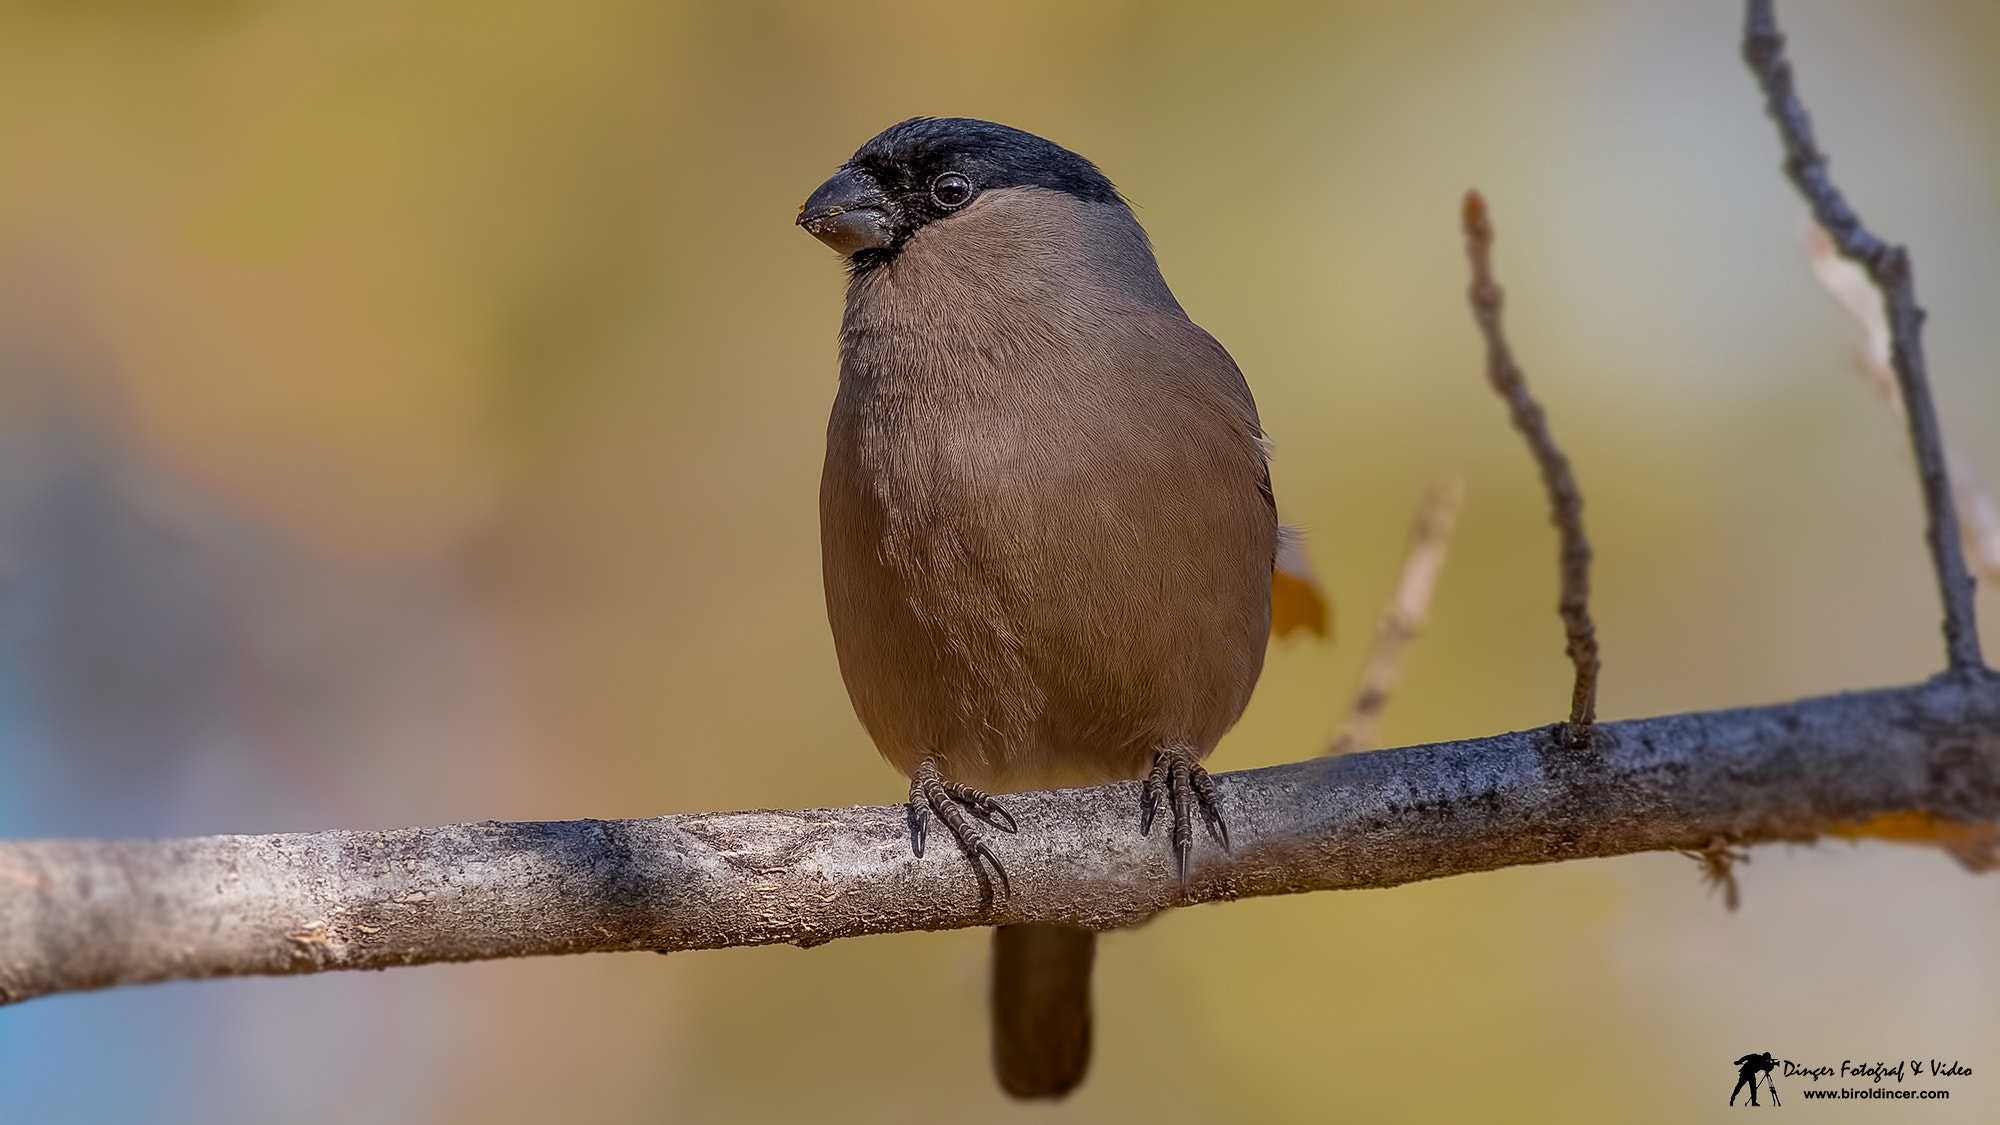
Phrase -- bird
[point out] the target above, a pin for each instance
(1047, 529)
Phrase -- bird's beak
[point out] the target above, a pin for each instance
(849, 213)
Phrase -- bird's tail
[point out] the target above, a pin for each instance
(1041, 1008)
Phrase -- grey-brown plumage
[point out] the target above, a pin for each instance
(1046, 522)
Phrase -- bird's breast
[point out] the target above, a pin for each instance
(1046, 546)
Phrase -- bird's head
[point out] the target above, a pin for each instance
(928, 169)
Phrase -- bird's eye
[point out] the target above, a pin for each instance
(951, 190)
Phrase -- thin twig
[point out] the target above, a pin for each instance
(1565, 502)
(1888, 266)
(1718, 859)
(1403, 618)
(1978, 517)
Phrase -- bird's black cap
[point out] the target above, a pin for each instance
(991, 155)
(928, 167)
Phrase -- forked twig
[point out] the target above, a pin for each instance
(1718, 859)
(1978, 517)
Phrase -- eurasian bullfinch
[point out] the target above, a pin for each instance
(1046, 522)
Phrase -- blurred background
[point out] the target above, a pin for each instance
(411, 413)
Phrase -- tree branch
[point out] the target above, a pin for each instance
(1888, 266)
(1920, 763)
(1978, 518)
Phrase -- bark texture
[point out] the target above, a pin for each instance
(1920, 764)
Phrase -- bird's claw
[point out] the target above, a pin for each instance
(932, 792)
(1177, 781)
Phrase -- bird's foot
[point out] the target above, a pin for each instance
(1177, 780)
(932, 792)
